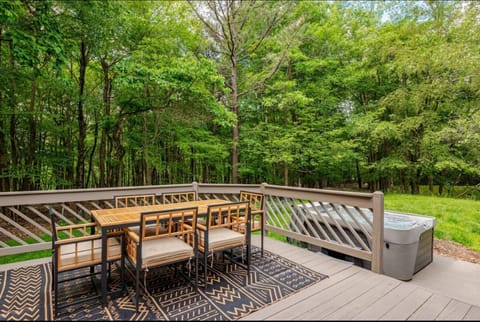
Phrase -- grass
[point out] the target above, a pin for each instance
(456, 219)
(25, 256)
(13, 258)
(7, 259)
(455, 192)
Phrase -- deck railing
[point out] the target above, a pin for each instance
(345, 222)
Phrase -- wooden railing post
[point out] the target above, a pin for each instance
(195, 188)
(377, 243)
(264, 207)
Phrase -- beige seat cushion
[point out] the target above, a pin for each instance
(87, 251)
(222, 237)
(165, 248)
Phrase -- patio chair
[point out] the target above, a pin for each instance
(219, 231)
(126, 201)
(78, 247)
(256, 201)
(172, 241)
(134, 200)
(174, 197)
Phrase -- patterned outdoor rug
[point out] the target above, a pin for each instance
(25, 293)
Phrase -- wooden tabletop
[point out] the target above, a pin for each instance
(131, 215)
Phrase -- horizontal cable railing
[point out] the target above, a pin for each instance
(346, 222)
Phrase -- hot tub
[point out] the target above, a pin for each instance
(408, 238)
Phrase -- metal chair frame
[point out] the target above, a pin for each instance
(230, 216)
(257, 206)
(167, 223)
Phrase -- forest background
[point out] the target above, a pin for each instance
(376, 95)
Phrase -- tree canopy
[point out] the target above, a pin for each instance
(378, 94)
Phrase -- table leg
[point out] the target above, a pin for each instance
(104, 267)
(249, 242)
(122, 261)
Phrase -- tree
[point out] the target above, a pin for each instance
(237, 34)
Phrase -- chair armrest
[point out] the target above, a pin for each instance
(77, 226)
(74, 240)
(133, 236)
(71, 228)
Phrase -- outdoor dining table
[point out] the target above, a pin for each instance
(118, 218)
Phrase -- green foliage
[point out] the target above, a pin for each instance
(383, 94)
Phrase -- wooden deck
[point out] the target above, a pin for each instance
(355, 293)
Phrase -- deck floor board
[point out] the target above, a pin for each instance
(431, 308)
(350, 310)
(354, 293)
(306, 310)
(455, 310)
(404, 309)
(298, 298)
(473, 314)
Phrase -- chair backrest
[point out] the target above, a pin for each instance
(174, 197)
(179, 222)
(254, 198)
(230, 215)
(134, 200)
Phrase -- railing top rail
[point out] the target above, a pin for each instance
(360, 199)
(322, 191)
(226, 188)
(70, 195)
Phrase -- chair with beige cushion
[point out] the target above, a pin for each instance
(75, 247)
(126, 201)
(219, 231)
(174, 197)
(171, 241)
(256, 201)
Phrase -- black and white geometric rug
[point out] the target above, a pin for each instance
(25, 293)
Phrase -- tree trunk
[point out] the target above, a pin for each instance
(359, 176)
(13, 120)
(14, 149)
(82, 126)
(92, 153)
(119, 151)
(102, 157)
(69, 171)
(32, 134)
(235, 133)
(146, 178)
(430, 183)
(4, 182)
